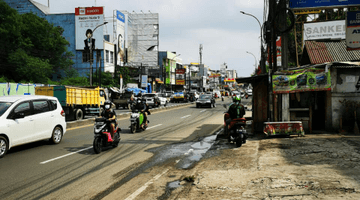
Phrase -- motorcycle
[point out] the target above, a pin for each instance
(236, 130)
(137, 121)
(102, 136)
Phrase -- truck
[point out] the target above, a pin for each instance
(120, 99)
(76, 101)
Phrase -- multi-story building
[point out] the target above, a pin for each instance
(108, 50)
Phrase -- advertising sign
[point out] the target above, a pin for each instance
(120, 34)
(301, 4)
(180, 71)
(144, 79)
(302, 80)
(325, 30)
(86, 20)
(353, 30)
(229, 80)
(180, 82)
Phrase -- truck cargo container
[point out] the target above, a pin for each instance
(76, 101)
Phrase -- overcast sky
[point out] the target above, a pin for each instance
(225, 34)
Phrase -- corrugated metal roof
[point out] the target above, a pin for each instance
(330, 51)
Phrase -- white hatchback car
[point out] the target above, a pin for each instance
(29, 118)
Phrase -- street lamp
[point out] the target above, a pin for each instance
(254, 57)
(261, 40)
(91, 60)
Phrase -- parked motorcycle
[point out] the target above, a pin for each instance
(136, 120)
(236, 130)
(102, 136)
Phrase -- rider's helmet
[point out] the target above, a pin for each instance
(237, 99)
(107, 104)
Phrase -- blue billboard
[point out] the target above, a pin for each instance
(301, 4)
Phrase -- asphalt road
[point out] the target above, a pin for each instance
(71, 169)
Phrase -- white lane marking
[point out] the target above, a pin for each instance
(140, 190)
(69, 154)
(154, 126)
(185, 116)
(202, 111)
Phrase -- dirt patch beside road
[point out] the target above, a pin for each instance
(311, 167)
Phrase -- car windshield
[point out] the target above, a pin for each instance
(205, 97)
(4, 106)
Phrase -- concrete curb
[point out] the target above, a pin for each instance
(84, 122)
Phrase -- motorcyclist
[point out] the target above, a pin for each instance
(109, 114)
(236, 110)
(143, 108)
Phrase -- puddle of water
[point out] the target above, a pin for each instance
(173, 185)
(169, 188)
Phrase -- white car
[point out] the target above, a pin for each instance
(249, 92)
(163, 99)
(29, 118)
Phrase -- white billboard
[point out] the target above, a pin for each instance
(86, 20)
(120, 36)
(325, 30)
(353, 30)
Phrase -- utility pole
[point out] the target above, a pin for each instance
(284, 36)
(200, 51)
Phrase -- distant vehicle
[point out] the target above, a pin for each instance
(217, 93)
(76, 101)
(206, 100)
(242, 93)
(249, 92)
(235, 93)
(178, 97)
(30, 118)
(120, 99)
(164, 100)
(151, 99)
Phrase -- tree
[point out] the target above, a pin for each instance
(32, 48)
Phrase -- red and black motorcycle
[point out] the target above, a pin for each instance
(235, 130)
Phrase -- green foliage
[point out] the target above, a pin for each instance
(30, 69)
(75, 81)
(32, 49)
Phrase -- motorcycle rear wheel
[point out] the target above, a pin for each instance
(97, 145)
(238, 141)
(133, 128)
(117, 139)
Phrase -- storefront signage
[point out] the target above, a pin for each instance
(353, 30)
(325, 30)
(229, 80)
(302, 80)
(180, 82)
(180, 71)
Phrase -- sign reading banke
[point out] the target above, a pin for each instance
(302, 80)
(353, 30)
(325, 30)
(301, 4)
